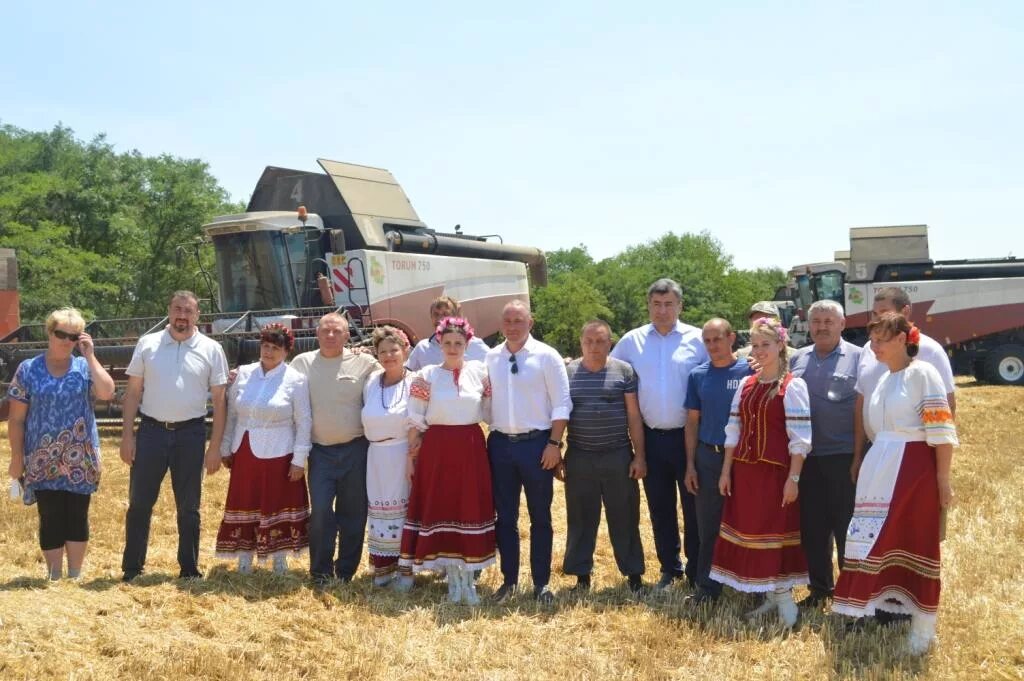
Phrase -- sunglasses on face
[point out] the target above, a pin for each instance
(64, 335)
(515, 367)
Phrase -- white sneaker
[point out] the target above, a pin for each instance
(280, 564)
(922, 634)
(766, 607)
(788, 612)
(469, 595)
(245, 564)
(402, 584)
(454, 584)
(383, 580)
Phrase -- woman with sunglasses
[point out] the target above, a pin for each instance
(266, 443)
(55, 447)
(449, 524)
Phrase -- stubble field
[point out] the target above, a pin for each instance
(263, 626)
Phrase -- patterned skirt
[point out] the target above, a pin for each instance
(758, 547)
(900, 573)
(387, 491)
(265, 512)
(450, 520)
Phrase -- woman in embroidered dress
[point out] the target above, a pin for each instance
(55, 447)
(386, 423)
(266, 442)
(892, 545)
(450, 521)
(766, 441)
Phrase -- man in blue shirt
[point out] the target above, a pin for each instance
(709, 396)
(663, 353)
(829, 368)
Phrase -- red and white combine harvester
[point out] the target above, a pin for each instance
(975, 308)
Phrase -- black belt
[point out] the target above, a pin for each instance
(523, 437)
(663, 431)
(716, 448)
(173, 425)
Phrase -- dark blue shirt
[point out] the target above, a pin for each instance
(710, 391)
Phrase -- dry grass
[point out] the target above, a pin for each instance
(263, 627)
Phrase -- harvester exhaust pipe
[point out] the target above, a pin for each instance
(434, 244)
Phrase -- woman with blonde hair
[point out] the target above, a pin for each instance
(385, 422)
(55, 446)
(892, 546)
(766, 440)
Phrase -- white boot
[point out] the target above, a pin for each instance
(766, 607)
(402, 583)
(245, 564)
(922, 634)
(280, 564)
(788, 611)
(454, 584)
(383, 580)
(469, 596)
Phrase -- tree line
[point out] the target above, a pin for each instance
(100, 229)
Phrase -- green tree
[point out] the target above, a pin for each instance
(562, 307)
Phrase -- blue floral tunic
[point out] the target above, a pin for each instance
(62, 444)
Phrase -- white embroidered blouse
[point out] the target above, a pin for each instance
(273, 408)
(442, 397)
(912, 404)
(385, 418)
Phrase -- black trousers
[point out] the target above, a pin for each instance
(709, 513)
(158, 450)
(593, 477)
(663, 486)
(826, 505)
(63, 517)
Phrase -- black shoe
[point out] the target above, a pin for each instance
(345, 579)
(190, 576)
(667, 578)
(636, 585)
(320, 581)
(543, 595)
(130, 575)
(506, 592)
(701, 597)
(815, 600)
(582, 585)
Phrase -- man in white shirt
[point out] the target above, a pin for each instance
(892, 299)
(428, 351)
(169, 377)
(530, 409)
(663, 353)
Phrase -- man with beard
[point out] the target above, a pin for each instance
(829, 368)
(169, 377)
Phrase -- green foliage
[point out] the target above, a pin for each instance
(97, 229)
(615, 289)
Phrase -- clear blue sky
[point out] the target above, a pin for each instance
(775, 126)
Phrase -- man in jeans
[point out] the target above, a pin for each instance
(709, 395)
(337, 460)
(169, 377)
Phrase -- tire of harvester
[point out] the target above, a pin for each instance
(1005, 365)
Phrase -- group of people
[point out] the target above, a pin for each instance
(768, 454)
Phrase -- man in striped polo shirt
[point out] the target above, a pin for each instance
(604, 460)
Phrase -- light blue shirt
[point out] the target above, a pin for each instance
(831, 382)
(663, 365)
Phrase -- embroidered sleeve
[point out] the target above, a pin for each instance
(732, 427)
(933, 408)
(18, 389)
(798, 417)
(419, 397)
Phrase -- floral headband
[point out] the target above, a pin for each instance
(780, 330)
(271, 332)
(914, 336)
(450, 323)
(401, 334)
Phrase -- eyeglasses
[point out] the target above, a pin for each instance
(64, 335)
(515, 367)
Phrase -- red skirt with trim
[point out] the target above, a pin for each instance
(450, 520)
(265, 512)
(758, 547)
(901, 572)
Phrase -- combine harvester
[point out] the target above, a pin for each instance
(360, 249)
(975, 308)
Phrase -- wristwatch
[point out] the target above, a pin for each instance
(557, 443)
(795, 478)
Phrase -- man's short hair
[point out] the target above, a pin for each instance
(596, 322)
(718, 321)
(183, 294)
(333, 315)
(663, 286)
(826, 306)
(446, 301)
(764, 307)
(894, 295)
(518, 302)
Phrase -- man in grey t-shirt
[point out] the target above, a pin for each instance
(604, 460)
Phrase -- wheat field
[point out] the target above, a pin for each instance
(263, 626)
